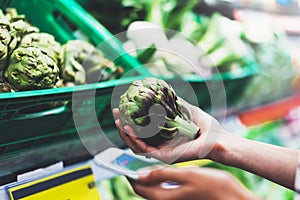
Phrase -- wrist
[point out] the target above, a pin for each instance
(227, 149)
(259, 158)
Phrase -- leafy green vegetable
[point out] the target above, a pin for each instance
(146, 54)
(213, 37)
(164, 13)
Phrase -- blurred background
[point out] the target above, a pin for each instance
(265, 105)
(243, 65)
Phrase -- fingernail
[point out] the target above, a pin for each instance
(114, 110)
(126, 128)
(143, 175)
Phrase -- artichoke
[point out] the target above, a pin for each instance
(5, 87)
(98, 68)
(18, 23)
(12, 15)
(72, 56)
(155, 126)
(44, 42)
(12, 29)
(30, 68)
(83, 63)
(5, 40)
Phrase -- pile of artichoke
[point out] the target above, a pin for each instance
(151, 107)
(31, 60)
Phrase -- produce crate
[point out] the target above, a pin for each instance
(32, 119)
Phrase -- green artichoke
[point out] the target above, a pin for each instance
(12, 29)
(5, 87)
(5, 40)
(98, 68)
(72, 57)
(18, 23)
(30, 69)
(83, 63)
(152, 125)
(12, 15)
(20, 28)
(44, 42)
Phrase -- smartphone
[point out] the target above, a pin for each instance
(126, 162)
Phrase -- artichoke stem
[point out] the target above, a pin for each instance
(184, 127)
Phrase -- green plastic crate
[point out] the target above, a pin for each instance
(27, 136)
(25, 117)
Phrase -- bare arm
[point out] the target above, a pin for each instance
(272, 162)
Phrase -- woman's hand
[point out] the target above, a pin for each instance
(194, 183)
(182, 149)
(272, 162)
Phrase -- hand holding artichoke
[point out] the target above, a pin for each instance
(140, 107)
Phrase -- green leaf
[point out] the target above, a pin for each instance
(145, 55)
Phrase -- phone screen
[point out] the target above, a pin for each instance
(131, 162)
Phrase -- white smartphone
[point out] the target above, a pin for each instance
(126, 162)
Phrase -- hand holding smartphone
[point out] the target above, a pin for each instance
(129, 164)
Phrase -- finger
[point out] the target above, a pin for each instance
(157, 192)
(142, 190)
(124, 135)
(129, 137)
(166, 174)
(148, 192)
(143, 148)
(116, 113)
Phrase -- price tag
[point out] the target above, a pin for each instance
(73, 184)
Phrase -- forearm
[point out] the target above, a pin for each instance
(271, 162)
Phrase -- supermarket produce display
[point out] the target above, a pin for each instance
(39, 121)
(52, 73)
(159, 37)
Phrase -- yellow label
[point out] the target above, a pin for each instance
(73, 184)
